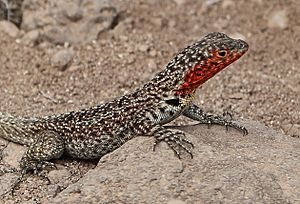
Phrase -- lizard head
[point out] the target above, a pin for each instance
(202, 60)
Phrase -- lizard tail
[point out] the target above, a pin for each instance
(18, 129)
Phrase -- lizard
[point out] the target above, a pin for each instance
(94, 132)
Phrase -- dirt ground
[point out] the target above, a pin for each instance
(264, 85)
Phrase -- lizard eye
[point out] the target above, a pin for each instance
(222, 53)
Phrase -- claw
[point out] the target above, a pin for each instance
(154, 145)
(175, 140)
(245, 131)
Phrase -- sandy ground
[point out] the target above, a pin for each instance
(264, 85)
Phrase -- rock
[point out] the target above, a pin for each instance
(31, 37)
(12, 154)
(58, 35)
(143, 47)
(74, 13)
(62, 59)
(278, 19)
(227, 168)
(70, 21)
(9, 28)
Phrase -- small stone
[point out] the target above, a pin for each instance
(9, 28)
(31, 37)
(153, 53)
(12, 154)
(172, 23)
(62, 59)
(143, 48)
(58, 35)
(74, 13)
(278, 19)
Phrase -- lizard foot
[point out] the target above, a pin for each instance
(34, 167)
(175, 140)
(229, 124)
(196, 113)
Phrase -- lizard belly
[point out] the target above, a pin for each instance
(93, 147)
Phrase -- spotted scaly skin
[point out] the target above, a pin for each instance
(94, 132)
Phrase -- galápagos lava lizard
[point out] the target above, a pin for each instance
(94, 132)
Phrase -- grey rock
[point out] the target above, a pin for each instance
(9, 28)
(31, 37)
(227, 167)
(143, 47)
(62, 59)
(278, 19)
(58, 34)
(12, 154)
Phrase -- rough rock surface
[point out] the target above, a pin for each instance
(262, 167)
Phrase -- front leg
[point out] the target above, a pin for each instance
(196, 113)
(175, 140)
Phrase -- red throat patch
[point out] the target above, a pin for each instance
(201, 72)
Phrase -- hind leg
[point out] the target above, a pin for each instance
(49, 145)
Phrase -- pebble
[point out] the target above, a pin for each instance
(9, 28)
(278, 19)
(143, 48)
(58, 35)
(62, 59)
(74, 13)
(31, 37)
(12, 154)
(153, 53)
